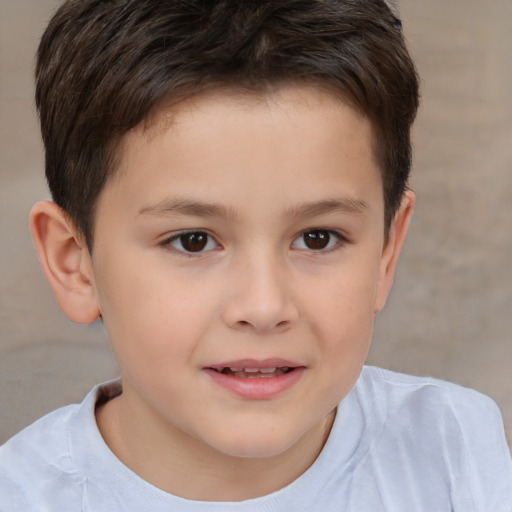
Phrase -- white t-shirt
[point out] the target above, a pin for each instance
(398, 444)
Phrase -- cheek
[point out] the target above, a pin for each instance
(348, 328)
(152, 321)
(344, 302)
(343, 326)
(344, 331)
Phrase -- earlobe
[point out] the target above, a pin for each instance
(393, 247)
(66, 262)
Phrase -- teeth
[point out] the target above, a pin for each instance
(255, 372)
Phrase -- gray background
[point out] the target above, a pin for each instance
(450, 314)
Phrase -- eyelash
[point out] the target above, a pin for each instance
(167, 243)
(340, 240)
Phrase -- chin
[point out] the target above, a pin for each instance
(256, 446)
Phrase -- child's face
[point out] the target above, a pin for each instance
(242, 233)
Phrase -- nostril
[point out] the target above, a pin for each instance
(279, 325)
(283, 326)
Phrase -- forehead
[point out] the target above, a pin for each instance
(292, 137)
(292, 95)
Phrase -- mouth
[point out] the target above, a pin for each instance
(254, 373)
(256, 379)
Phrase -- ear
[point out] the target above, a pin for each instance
(66, 262)
(393, 247)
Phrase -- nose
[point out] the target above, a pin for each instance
(260, 300)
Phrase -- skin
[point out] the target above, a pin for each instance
(276, 167)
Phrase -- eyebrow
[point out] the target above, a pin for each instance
(189, 207)
(348, 205)
(194, 208)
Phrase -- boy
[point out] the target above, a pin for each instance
(230, 187)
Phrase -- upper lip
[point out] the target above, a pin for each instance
(273, 362)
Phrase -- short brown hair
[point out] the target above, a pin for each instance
(104, 66)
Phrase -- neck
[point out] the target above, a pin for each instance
(173, 461)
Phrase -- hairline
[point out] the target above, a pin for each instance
(161, 117)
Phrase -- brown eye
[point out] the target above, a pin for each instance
(317, 240)
(191, 242)
(320, 240)
(194, 242)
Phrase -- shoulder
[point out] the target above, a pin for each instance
(32, 457)
(43, 464)
(430, 404)
(40, 442)
(441, 429)
(406, 391)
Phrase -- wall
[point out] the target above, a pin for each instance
(450, 314)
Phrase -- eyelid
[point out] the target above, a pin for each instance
(166, 243)
(342, 239)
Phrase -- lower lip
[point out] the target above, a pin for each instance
(256, 388)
